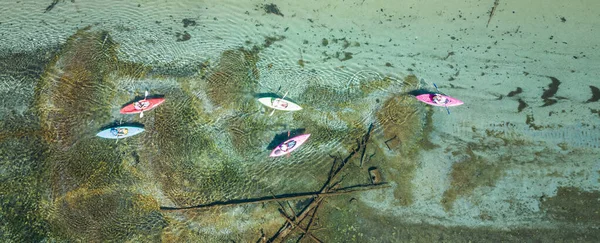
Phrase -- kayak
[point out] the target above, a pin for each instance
(289, 145)
(279, 104)
(143, 105)
(428, 99)
(120, 132)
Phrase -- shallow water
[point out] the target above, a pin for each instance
(517, 161)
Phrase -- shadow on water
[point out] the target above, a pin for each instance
(272, 95)
(420, 92)
(116, 123)
(266, 95)
(280, 138)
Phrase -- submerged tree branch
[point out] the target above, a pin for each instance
(278, 198)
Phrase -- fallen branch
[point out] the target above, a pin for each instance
(364, 144)
(278, 198)
(327, 189)
(296, 225)
(386, 142)
(310, 222)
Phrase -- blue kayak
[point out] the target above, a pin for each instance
(120, 132)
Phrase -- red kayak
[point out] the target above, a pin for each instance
(142, 105)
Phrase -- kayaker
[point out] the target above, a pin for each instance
(284, 147)
(119, 131)
(280, 103)
(439, 99)
(142, 104)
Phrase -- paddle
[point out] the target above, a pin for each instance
(282, 99)
(436, 88)
(145, 96)
(288, 154)
(120, 122)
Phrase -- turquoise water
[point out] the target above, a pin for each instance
(518, 161)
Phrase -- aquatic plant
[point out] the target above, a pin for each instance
(22, 174)
(370, 86)
(468, 174)
(71, 93)
(108, 213)
(247, 132)
(84, 178)
(185, 158)
(194, 153)
(22, 189)
(336, 99)
(402, 121)
(572, 204)
(233, 82)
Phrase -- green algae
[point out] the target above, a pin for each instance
(324, 134)
(72, 82)
(411, 81)
(247, 132)
(181, 148)
(397, 116)
(230, 86)
(185, 159)
(314, 93)
(133, 70)
(21, 149)
(22, 190)
(472, 172)
(351, 221)
(182, 142)
(402, 124)
(74, 94)
(108, 213)
(375, 85)
(20, 73)
(425, 143)
(574, 205)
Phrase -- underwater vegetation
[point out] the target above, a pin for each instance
(23, 184)
(208, 142)
(403, 124)
(235, 77)
(84, 191)
(73, 91)
(470, 172)
(22, 189)
(574, 205)
(183, 156)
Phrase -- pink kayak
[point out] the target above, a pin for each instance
(428, 99)
(289, 145)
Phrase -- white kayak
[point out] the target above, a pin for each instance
(279, 104)
(120, 132)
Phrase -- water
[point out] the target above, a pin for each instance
(505, 161)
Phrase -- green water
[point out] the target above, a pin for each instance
(516, 162)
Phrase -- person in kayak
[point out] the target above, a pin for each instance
(119, 131)
(286, 146)
(280, 103)
(142, 104)
(439, 99)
